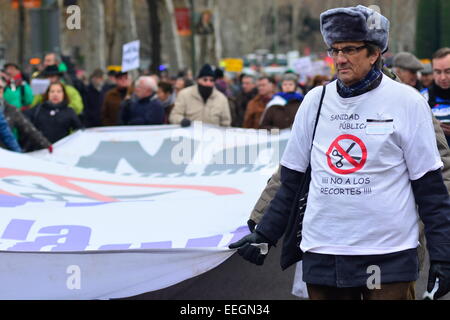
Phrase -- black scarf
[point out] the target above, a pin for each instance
(439, 92)
(47, 104)
(435, 92)
(205, 92)
(122, 92)
(371, 81)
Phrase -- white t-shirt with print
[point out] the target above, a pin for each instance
(366, 151)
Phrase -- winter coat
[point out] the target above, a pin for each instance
(20, 96)
(190, 105)
(110, 111)
(30, 138)
(280, 117)
(76, 102)
(6, 136)
(54, 121)
(255, 110)
(146, 111)
(92, 107)
(240, 107)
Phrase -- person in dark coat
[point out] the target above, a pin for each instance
(166, 96)
(248, 92)
(144, 108)
(110, 111)
(93, 100)
(53, 117)
(281, 110)
(110, 82)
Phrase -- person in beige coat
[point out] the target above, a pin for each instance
(202, 102)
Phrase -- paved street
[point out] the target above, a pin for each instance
(236, 279)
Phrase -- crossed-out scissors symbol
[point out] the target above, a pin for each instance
(339, 164)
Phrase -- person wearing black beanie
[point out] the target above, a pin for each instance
(202, 102)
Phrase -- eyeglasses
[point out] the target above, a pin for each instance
(346, 51)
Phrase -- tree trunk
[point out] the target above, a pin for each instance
(21, 32)
(217, 32)
(445, 24)
(127, 20)
(176, 37)
(427, 34)
(95, 38)
(110, 30)
(65, 47)
(126, 29)
(155, 33)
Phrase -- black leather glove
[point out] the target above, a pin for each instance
(253, 247)
(251, 225)
(441, 271)
(185, 123)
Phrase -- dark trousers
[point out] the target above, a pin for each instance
(388, 291)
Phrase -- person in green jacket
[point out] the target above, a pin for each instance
(17, 91)
(54, 75)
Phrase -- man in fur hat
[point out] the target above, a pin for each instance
(373, 159)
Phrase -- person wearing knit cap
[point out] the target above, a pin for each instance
(280, 111)
(363, 153)
(406, 66)
(426, 75)
(201, 102)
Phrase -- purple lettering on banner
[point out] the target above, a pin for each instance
(204, 242)
(84, 204)
(17, 229)
(115, 246)
(157, 245)
(7, 201)
(239, 234)
(76, 239)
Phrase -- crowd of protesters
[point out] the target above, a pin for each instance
(111, 98)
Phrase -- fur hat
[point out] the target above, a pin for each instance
(355, 24)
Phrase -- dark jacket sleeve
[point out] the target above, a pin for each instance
(124, 112)
(433, 201)
(7, 136)
(30, 137)
(75, 121)
(267, 121)
(156, 115)
(266, 197)
(273, 223)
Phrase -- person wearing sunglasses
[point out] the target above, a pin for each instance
(201, 102)
(359, 235)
